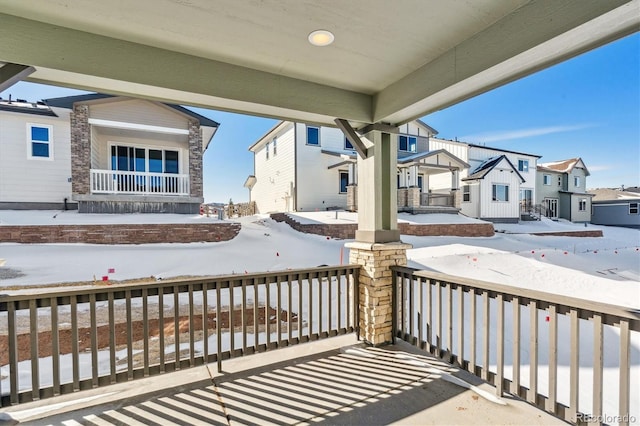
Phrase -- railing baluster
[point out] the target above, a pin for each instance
(94, 341)
(279, 311)
(320, 294)
(161, 328)
(112, 338)
(625, 368)
(460, 356)
(473, 314)
(553, 358)
(339, 278)
(256, 310)
(421, 311)
(34, 332)
(218, 327)
(500, 351)
(412, 310)
(192, 348)
(310, 307)
(597, 365)
(13, 352)
(145, 330)
(232, 325)
(449, 321)
(290, 308)
(299, 281)
(129, 336)
(267, 314)
(486, 323)
(515, 385)
(74, 344)
(55, 346)
(533, 352)
(439, 339)
(574, 369)
(205, 322)
(428, 317)
(403, 306)
(176, 327)
(244, 316)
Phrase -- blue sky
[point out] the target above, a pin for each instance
(586, 107)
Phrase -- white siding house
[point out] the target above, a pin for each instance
(102, 154)
(522, 188)
(35, 156)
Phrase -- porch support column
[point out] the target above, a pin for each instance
(377, 247)
(455, 180)
(195, 159)
(80, 150)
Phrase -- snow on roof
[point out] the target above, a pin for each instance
(563, 166)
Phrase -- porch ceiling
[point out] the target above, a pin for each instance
(391, 61)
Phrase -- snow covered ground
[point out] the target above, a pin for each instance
(604, 269)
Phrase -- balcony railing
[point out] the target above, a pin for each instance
(567, 356)
(436, 200)
(138, 183)
(66, 341)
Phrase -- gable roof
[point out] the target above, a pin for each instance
(488, 165)
(424, 155)
(564, 166)
(67, 102)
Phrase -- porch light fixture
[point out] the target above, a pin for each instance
(321, 38)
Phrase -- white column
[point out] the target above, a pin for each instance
(455, 180)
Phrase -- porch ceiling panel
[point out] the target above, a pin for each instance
(390, 62)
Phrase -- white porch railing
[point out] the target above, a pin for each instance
(143, 183)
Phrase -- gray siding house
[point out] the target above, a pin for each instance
(561, 190)
(616, 208)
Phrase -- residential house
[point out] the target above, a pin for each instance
(616, 207)
(562, 190)
(500, 185)
(102, 154)
(302, 167)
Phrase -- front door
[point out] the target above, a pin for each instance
(526, 200)
(551, 205)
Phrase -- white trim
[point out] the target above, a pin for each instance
(30, 141)
(135, 126)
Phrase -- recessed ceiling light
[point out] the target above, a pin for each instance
(321, 38)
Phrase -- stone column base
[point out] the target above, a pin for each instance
(413, 197)
(376, 283)
(352, 198)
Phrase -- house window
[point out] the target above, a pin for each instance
(267, 150)
(313, 136)
(633, 208)
(407, 143)
(344, 181)
(559, 180)
(40, 142)
(348, 145)
(576, 181)
(523, 165)
(466, 193)
(275, 146)
(546, 180)
(500, 192)
(582, 205)
(132, 159)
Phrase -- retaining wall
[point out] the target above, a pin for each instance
(120, 233)
(348, 230)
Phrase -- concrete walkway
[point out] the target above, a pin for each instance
(337, 381)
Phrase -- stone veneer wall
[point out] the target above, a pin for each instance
(195, 159)
(120, 234)
(80, 150)
(376, 285)
(348, 231)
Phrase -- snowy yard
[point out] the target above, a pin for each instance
(602, 269)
